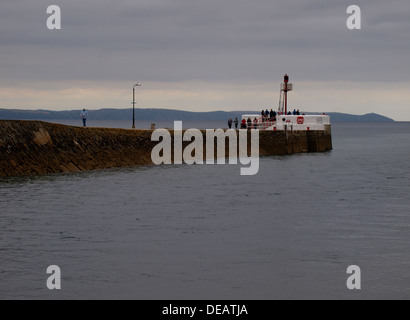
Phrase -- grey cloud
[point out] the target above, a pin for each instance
(212, 40)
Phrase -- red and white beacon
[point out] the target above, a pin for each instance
(285, 87)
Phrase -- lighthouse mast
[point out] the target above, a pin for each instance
(285, 87)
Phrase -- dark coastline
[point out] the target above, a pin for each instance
(156, 115)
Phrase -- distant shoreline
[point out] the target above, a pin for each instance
(156, 115)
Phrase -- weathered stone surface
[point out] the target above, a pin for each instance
(42, 137)
(38, 148)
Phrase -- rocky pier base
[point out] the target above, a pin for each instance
(39, 148)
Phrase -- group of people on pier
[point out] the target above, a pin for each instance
(266, 116)
(231, 122)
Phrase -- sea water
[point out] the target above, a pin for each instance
(206, 232)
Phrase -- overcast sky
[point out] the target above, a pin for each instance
(202, 55)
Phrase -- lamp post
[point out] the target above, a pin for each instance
(133, 104)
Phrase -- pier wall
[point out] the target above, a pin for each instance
(39, 148)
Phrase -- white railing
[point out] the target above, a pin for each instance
(261, 125)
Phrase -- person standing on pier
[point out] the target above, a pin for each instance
(84, 116)
(255, 123)
(249, 123)
(243, 124)
(236, 123)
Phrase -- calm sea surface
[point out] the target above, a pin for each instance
(205, 232)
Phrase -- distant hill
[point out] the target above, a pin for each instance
(162, 115)
(369, 117)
